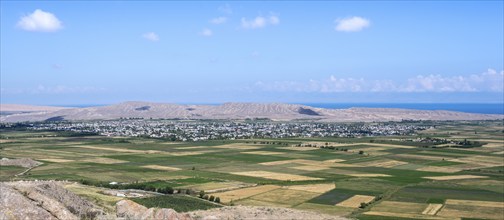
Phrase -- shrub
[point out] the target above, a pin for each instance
(201, 193)
(211, 199)
(217, 200)
(205, 197)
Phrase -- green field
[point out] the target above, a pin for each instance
(179, 203)
(403, 173)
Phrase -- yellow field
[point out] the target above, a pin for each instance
(157, 167)
(104, 160)
(262, 153)
(275, 176)
(298, 148)
(122, 150)
(285, 196)
(190, 148)
(471, 211)
(422, 157)
(432, 209)
(455, 177)
(315, 188)
(383, 163)
(355, 201)
(475, 203)
(488, 161)
(405, 215)
(218, 186)
(190, 153)
(253, 202)
(369, 175)
(325, 163)
(402, 207)
(238, 194)
(311, 168)
(439, 169)
(239, 146)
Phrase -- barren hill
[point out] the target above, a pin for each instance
(28, 108)
(273, 111)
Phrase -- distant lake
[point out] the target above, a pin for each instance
(466, 107)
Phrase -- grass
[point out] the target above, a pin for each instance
(8, 172)
(436, 201)
(179, 203)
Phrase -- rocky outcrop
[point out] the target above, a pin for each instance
(130, 210)
(13, 205)
(44, 198)
(21, 162)
(263, 213)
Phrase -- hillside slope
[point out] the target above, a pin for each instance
(274, 111)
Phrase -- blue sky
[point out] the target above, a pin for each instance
(208, 52)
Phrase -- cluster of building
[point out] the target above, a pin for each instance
(219, 130)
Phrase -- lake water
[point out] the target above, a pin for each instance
(466, 107)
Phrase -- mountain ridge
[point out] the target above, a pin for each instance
(241, 110)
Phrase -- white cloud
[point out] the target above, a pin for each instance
(206, 32)
(489, 81)
(40, 21)
(259, 22)
(219, 20)
(226, 9)
(151, 36)
(351, 24)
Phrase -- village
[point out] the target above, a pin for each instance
(199, 130)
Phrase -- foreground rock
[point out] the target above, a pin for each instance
(130, 210)
(43, 200)
(258, 213)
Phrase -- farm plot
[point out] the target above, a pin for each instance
(238, 194)
(315, 188)
(355, 201)
(383, 163)
(276, 176)
(158, 167)
(104, 160)
(472, 210)
(432, 209)
(285, 196)
(455, 177)
(262, 152)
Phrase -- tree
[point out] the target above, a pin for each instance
(363, 205)
(361, 152)
(211, 199)
(201, 193)
(205, 197)
(217, 200)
